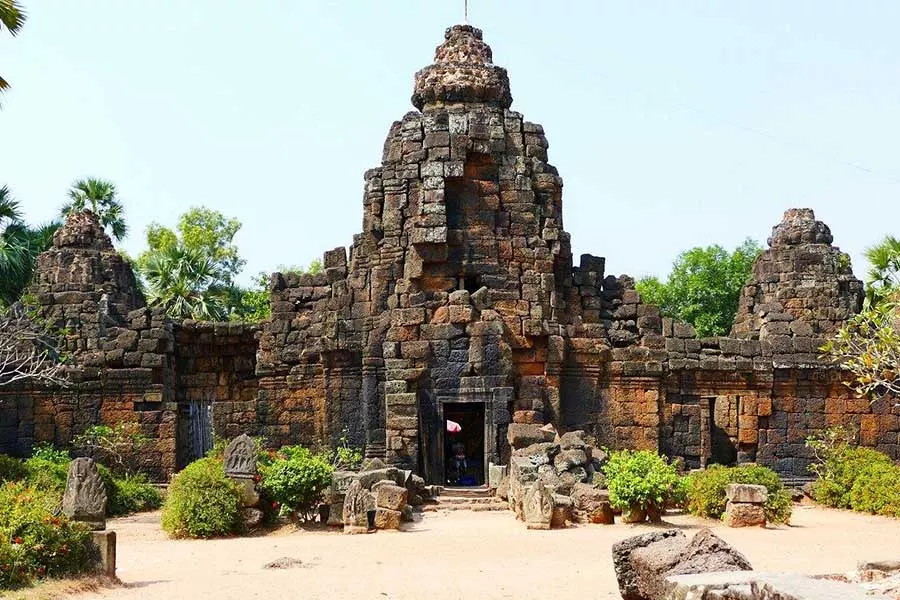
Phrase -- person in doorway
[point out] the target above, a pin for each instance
(459, 461)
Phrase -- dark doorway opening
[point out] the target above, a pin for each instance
(723, 450)
(464, 450)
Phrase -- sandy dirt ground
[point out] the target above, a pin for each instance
(459, 555)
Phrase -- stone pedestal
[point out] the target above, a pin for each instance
(746, 505)
(104, 554)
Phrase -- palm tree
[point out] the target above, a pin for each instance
(19, 247)
(12, 17)
(99, 197)
(183, 281)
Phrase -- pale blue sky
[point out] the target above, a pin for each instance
(673, 124)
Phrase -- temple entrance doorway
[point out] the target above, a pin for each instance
(464, 443)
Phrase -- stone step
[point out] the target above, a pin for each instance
(495, 505)
(465, 492)
(457, 500)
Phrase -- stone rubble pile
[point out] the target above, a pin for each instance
(555, 479)
(389, 492)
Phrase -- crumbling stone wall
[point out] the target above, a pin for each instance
(461, 288)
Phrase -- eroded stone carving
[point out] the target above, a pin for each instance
(539, 505)
(240, 457)
(85, 496)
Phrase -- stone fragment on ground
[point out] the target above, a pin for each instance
(750, 585)
(285, 562)
(642, 563)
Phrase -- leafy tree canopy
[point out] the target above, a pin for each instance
(20, 245)
(201, 230)
(868, 347)
(704, 286)
(884, 269)
(12, 17)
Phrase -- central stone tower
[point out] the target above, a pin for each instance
(451, 294)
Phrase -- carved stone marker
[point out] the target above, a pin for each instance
(240, 457)
(538, 506)
(85, 497)
(356, 507)
(240, 466)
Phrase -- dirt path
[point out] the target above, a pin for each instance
(459, 555)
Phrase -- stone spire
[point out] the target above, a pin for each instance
(799, 226)
(802, 288)
(462, 72)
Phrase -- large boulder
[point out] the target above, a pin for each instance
(643, 562)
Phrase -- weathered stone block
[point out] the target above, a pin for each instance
(743, 492)
(739, 514)
(390, 496)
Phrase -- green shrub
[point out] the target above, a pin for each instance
(840, 470)
(11, 469)
(49, 453)
(295, 479)
(876, 490)
(641, 479)
(130, 494)
(839, 463)
(202, 502)
(47, 476)
(34, 542)
(706, 492)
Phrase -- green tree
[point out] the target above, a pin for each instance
(190, 270)
(884, 269)
(201, 230)
(868, 347)
(99, 197)
(20, 245)
(185, 282)
(12, 17)
(704, 286)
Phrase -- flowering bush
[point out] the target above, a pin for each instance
(34, 542)
(202, 502)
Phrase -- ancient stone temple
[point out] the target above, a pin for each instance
(458, 303)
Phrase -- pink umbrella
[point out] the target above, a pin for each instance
(453, 426)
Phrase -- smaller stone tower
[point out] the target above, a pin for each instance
(802, 289)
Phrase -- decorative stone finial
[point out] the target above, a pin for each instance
(82, 230)
(462, 72)
(799, 226)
